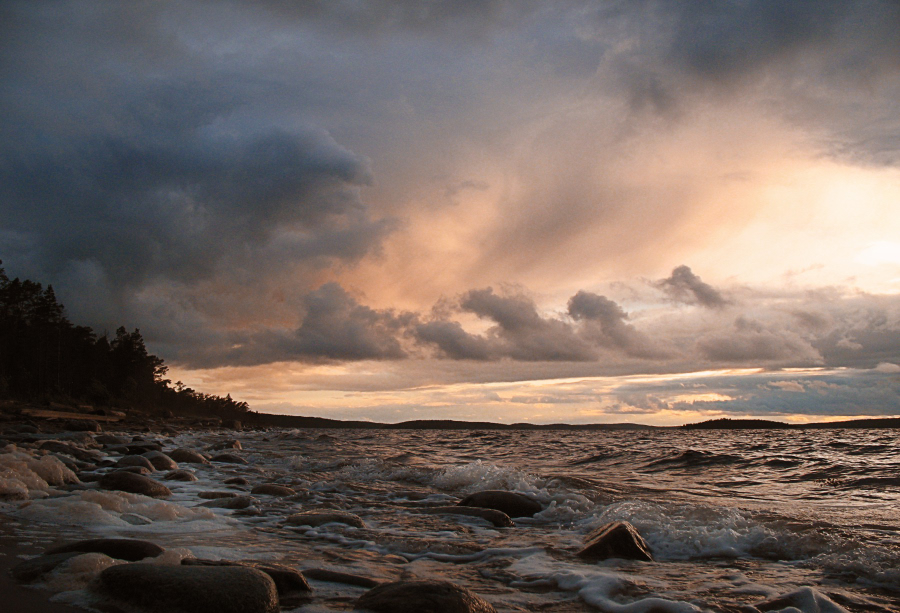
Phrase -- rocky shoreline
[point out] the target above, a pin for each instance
(47, 457)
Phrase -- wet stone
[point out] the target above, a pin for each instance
(287, 580)
(228, 458)
(135, 484)
(423, 597)
(160, 460)
(271, 489)
(236, 481)
(498, 518)
(617, 539)
(214, 495)
(319, 518)
(191, 589)
(188, 456)
(511, 503)
(231, 502)
(136, 460)
(32, 569)
(229, 444)
(181, 475)
(121, 549)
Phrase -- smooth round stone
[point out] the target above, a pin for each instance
(319, 518)
(160, 460)
(181, 475)
(271, 489)
(188, 456)
(191, 589)
(135, 484)
(135, 460)
(423, 597)
(511, 503)
(121, 549)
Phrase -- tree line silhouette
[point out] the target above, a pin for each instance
(44, 356)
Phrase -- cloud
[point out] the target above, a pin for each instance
(684, 286)
(603, 322)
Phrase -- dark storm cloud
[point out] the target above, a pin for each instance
(521, 332)
(603, 322)
(752, 342)
(453, 341)
(684, 286)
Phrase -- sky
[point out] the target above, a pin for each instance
(575, 211)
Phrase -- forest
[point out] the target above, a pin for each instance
(45, 358)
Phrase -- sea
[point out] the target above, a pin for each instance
(737, 520)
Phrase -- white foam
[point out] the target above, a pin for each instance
(24, 476)
(596, 586)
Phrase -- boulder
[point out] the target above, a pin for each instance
(191, 589)
(618, 539)
(181, 475)
(271, 489)
(288, 581)
(121, 549)
(236, 481)
(188, 456)
(423, 597)
(76, 452)
(228, 458)
(135, 460)
(232, 502)
(160, 460)
(319, 518)
(511, 503)
(136, 484)
(498, 518)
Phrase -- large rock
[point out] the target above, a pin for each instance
(191, 589)
(228, 458)
(423, 597)
(85, 455)
(135, 484)
(135, 460)
(271, 489)
(498, 518)
(288, 581)
(121, 549)
(618, 539)
(511, 503)
(188, 456)
(160, 460)
(319, 518)
(214, 495)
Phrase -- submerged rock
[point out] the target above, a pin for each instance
(423, 597)
(231, 502)
(511, 503)
(618, 539)
(288, 581)
(318, 518)
(229, 444)
(498, 518)
(271, 489)
(32, 569)
(214, 495)
(236, 481)
(121, 549)
(228, 458)
(191, 589)
(188, 456)
(135, 484)
(160, 460)
(181, 475)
